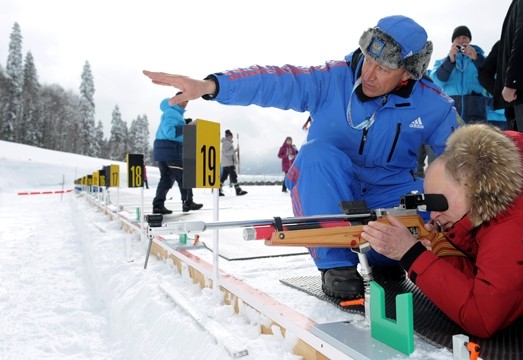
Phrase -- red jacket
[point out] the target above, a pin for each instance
(482, 292)
(287, 154)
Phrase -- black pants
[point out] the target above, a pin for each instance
(283, 186)
(168, 175)
(229, 171)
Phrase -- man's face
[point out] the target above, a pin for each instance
(378, 80)
(462, 40)
(437, 182)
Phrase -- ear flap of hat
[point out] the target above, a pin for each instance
(417, 63)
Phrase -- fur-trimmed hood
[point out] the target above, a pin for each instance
(488, 163)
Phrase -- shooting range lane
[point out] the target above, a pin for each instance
(231, 243)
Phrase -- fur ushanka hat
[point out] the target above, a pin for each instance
(489, 165)
(398, 41)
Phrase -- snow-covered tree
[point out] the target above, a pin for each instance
(139, 137)
(99, 138)
(60, 119)
(30, 125)
(3, 96)
(118, 139)
(13, 90)
(87, 131)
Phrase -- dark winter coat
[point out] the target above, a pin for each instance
(509, 71)
(287, 154)
(487, 71)
(487, 79)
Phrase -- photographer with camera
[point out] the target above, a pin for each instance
(457, 74)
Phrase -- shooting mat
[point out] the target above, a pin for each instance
(430, 323)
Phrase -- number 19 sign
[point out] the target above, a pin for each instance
(201, 154)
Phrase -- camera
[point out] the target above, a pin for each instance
(461, 47)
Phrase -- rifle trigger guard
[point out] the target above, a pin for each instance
(278, 224)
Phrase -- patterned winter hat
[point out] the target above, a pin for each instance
(398, 41)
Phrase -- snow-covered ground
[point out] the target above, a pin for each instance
(73, 284)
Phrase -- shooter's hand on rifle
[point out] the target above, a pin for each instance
(392, 240)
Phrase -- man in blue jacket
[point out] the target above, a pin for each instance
(168, 151)
(371, 113)
(457, 74)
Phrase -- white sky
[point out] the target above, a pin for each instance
(69, 290)
(195, 38)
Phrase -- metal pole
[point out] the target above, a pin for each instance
(216, 248)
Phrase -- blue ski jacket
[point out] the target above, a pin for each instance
(168, 143)
(384, 153)
(460, 81)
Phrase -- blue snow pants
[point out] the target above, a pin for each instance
(321, 179)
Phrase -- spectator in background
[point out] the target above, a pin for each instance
(146, 182)
(287, 153)
(229, 164)
(457, 74)
(168, 151)
(497, 109)
(509, 68)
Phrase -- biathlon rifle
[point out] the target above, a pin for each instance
(341, 230)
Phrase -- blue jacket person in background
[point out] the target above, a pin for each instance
(168, 151)
(371, 111)
(457, 74)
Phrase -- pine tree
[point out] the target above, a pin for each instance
(60, 118)
(87, 130)
(139, 137)
(30, 126)
(99, 138)
(118, 140)
(3, 97)
(13, 92)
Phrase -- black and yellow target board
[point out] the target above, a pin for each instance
(135, 176)
(201, 154)
(112, 175)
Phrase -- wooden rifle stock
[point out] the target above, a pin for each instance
(343, 236)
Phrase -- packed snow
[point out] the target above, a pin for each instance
(74, 284)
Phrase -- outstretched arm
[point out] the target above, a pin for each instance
(191, 88)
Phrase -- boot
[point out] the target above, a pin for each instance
(221, 192)
(191, 205)
(162, 210)
(239, 190)
(342, 283)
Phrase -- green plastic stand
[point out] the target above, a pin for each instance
(397, 334)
